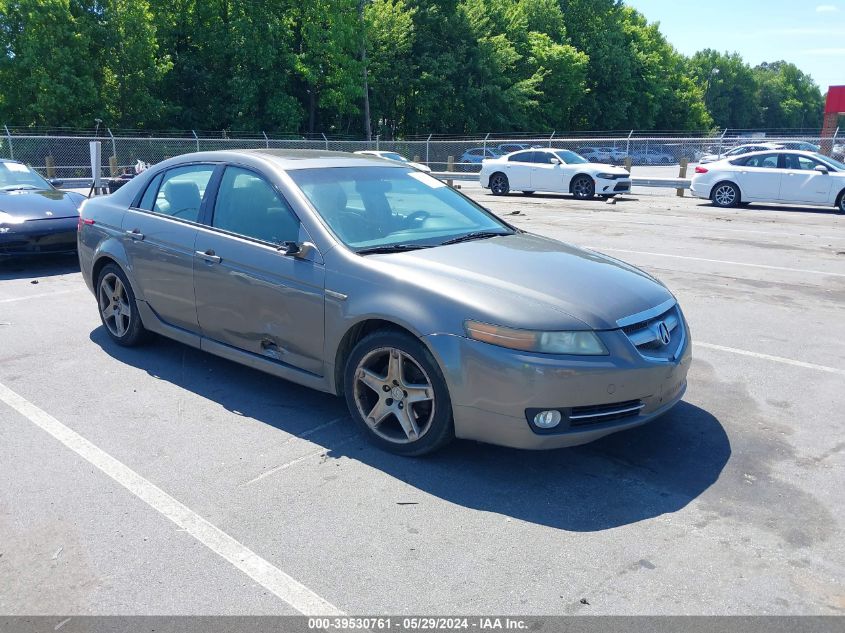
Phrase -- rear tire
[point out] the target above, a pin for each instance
(397, 395)
(118, 308)
(841, 205)
(499, 184)
(725, 195)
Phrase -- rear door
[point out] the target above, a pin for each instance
(159, 235)
(518, 170)
(759, 177)
(249, 294)
(801, 183)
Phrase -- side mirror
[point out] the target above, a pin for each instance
(295, 249)
(555, 161)
(56, 182)
(821, 169)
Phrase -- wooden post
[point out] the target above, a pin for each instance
(113, 166)
(628, 163)
(416, 158)
(450, 167)
(682, 174)
(50, 162)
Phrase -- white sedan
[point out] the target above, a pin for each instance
(553, 170)
(788, 177)
(396, 158)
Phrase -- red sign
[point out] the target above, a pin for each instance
(835, 100)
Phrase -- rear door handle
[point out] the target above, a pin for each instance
(209, 256)
(135, 234)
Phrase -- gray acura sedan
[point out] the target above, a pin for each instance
(432, 317)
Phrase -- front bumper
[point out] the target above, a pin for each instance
(39, 237)
(605, 187)
(495, 390)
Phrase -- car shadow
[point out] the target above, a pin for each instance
(37, 266)
(621, 479)
(780, 208)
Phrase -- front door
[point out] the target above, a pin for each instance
(548, 176)
(159, 239)
(760, 179)
(249, 294)
(801, 183)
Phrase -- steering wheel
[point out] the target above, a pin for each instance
(417, 217)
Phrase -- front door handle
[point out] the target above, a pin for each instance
(209, 256)
(135, 234)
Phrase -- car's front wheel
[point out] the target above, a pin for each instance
(725, 195)
(118, 310)
(396, 393)
(499, 184)
(583, 188)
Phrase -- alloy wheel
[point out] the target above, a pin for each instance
(582, 187)
(499, 185)
(725, 195)
(114, 305)
(394, 395)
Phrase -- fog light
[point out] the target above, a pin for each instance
(547, 419)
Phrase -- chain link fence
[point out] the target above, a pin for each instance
(66, 154)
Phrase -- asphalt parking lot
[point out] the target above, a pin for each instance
(730, 504)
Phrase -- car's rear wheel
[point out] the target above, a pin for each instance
(397, 395)
(499, 184)
(841, 204)
(118, 309)
(725, 195)
(583, 188)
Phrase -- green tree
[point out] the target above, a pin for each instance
(729, 87)
(787, 97)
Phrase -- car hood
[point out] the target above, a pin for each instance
(528, 281)
(38, 204)
(605, 168)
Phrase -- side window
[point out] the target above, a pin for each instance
(522, 157)
(544, 158)
(764, 160)
(803, 163)
(149, 196)
(248, 205)
(182, 190)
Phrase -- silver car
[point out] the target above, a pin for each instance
(432, 317)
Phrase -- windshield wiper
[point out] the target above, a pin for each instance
(392, 248)
(475, 235)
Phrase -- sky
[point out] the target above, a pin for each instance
(808, 33)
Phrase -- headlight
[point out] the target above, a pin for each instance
(609, 176)
(581, 343)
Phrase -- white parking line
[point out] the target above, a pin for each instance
(261, 571)
(717, 261)
(777, 359)
(40, 295)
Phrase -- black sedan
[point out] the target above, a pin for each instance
(35, 216)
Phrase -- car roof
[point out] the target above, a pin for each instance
(10, 160)
(779, 150)
(283, 158)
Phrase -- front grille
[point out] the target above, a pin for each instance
(622, 186)
(644, 331)
(597, 414)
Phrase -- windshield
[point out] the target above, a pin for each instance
(395, 156)
(369, 207)
(19, 176)
(570, 158)
(831, 161)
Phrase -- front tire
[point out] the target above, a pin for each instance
(499, 184)
(118, 308)
(396, 394)
(725, 195)
(583, 188)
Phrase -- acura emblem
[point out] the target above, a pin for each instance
(663, 333)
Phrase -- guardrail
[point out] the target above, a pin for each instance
(668, 183)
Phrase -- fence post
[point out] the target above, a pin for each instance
(196, 138)
(113, 146)
(378, 140)
(682, 174)
(266, 140)
(450, 167)
(113, 166)
(628, 163)
(551, 137)
(50, 164)
(11, 146)
(628, 150)
(427, 142)
(720, 142)
(485, 145)
(326, 140)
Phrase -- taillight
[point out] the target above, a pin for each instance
(700, 170)
(82, 221)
